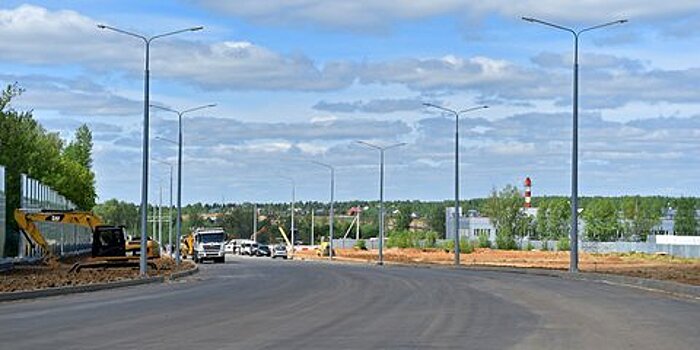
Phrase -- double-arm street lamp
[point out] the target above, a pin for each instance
(330, 232)
(178, 224)
(456, 114)
(381, 150)
(294, 191)
(146, 91)
(573, 261)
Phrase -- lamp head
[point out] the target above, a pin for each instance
(101, 26)
(196, 28)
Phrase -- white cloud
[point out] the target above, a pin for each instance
(366, 15)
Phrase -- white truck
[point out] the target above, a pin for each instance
(209, 245)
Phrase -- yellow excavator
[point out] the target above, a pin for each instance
(109, 246)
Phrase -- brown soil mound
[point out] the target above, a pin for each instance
(56, 274)
(637, 265)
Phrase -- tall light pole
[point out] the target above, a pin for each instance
(330, 233)
(381, 150)
(146, 91)
(456, 114)
(178, 228)
(170, 208)
(573, 261)
(294, 191)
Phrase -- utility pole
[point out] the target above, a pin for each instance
(255, 222)
(313, 241)
(160, 215)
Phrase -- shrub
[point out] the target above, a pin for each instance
(448, 246)
(529, 246)
(563, 243)
(431, 239)
(484, 241)
(505, 242)
(465, 246)
(360, 244)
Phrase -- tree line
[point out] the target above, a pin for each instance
(607, 218)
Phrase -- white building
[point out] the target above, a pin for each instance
(473, 224)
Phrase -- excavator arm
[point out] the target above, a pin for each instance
(284, 235)
(27, 223)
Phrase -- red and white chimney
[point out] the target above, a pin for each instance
(528, 192)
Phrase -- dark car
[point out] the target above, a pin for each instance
(263, 250)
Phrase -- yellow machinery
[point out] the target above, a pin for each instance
(323, 249)
(187, 246)
(109, 246)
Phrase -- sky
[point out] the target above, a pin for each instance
(296, 81)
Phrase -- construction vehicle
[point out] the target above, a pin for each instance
(290, 246)
(109, 246)
(187, 245)
(324, 248)
(205, 244)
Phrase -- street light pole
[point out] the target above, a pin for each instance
(178, 228)
(330, 230)
(144, 170)
(573, 260)
(294, 190)
(456, 215)
(170, 209)
(381, 193)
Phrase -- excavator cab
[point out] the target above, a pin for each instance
(108, 241)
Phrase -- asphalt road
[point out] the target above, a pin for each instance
(258, 303)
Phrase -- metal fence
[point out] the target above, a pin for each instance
(679, 246)
(63, 239)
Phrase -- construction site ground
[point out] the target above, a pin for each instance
(659, 267)
(57, 274)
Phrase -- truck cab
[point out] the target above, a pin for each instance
(209, 244)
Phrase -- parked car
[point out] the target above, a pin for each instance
(279, 251)
(263, 250)
(249, 248)
(230, 247)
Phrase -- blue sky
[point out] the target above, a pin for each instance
(301, 80)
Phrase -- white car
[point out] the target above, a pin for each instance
(249, 248)
(279, 251)
(229, 248)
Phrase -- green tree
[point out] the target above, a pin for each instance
(116, 212)
(685, 222)
(27, 148)
(80, 149)
(504, 209)
(436, 219)
(602, 220)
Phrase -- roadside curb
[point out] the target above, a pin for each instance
(49, 292)
(181, 274)
(659, 286)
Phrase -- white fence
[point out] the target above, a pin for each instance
(63, 239)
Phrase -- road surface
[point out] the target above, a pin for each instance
(257, 303)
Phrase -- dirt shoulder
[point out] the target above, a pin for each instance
(26, 278)
(665, 268)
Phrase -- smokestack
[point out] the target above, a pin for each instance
(528, 192)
